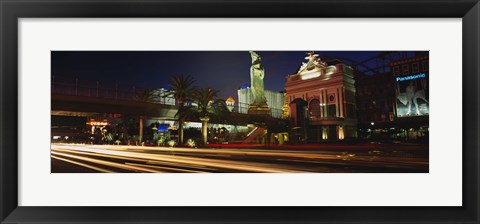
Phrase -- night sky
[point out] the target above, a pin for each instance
(222, 70)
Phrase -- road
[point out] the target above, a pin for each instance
(78, 158)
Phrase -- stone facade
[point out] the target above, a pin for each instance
(322, 101)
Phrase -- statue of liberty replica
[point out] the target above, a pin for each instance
(257, 74)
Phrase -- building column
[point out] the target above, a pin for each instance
(324, 108)
(340, 101)
(345, 112)
(204, 129)
(337, 104)
(321, 103)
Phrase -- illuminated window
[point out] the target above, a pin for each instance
(405, 69)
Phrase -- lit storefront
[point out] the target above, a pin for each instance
(97, 124)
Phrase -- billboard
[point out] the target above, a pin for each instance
(411, 86)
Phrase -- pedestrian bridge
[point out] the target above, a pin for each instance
(98, 100)
(83, 105)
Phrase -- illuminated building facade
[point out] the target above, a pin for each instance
(275, 100)
(230, 102)
(396, 109)
(411, 85)
(411, 82)
(322, 101)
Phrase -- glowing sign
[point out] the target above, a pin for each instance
(97, 123)
(410, 77)
(412, 95)
(163, 127)
(193, 125)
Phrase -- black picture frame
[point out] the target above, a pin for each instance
(11, 11)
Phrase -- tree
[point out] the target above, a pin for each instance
(182, 90)
(146, 96)
(204, 98)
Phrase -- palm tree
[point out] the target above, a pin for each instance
(204, 97)
(182, 90)
(146, 96)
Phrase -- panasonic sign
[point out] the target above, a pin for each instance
(410, 77)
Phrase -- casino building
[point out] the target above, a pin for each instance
(275, 100)
(322, 101)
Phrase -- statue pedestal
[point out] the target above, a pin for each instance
(259, 109)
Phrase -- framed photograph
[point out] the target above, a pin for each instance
(239, 112)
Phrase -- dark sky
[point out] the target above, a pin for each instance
(222, 70)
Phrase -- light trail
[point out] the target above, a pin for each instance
(106, 163)
(84, 165)
(135, 159)
(163, 163)
(97, 155)
(161, 159)
(262, 153)
(231, 165)
(164, 168)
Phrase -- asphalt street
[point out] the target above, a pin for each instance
(366, 158)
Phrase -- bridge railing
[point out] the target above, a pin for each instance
(92, 91)
(110, 92)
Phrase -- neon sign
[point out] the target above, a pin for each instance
(97, 123)
(410, 77)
